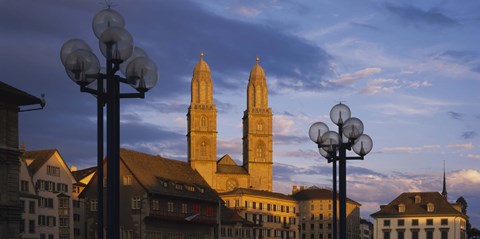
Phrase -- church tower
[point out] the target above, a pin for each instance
(257, 131)
(202, 124)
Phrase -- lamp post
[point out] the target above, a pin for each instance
(83, 67)
(333, 146)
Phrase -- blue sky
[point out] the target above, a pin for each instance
(410, 70)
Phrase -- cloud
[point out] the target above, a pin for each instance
(455, 115)
(419, 18)
(468, 146)
(473, 156)
(349, 79)
(246, 11)
(469, 135)
(381, 85)
(411, 150)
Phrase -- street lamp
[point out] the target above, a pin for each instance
(333, 146)
(83, 67)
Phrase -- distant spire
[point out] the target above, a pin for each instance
(444, 192)
(201, 55)
(257, 59)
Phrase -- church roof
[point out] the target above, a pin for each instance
(260, 193)
(227, 165)
(440, 203)
(168, 177)
(257, 72)
(201, 66)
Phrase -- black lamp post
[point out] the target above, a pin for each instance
(83, 67)
(333, 146)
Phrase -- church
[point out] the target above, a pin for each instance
(224, 174)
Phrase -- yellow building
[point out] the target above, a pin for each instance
(225, 175)
(315, 213)
(273, 214)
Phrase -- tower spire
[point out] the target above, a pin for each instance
(444, 192)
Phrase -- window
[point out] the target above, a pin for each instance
(418, 199)
(63, 203)
(312, 217)
(400, 235)
(31, 207)
(401, 222)
(320, 226)
(260, 206)
(429, 234)
(24, 186)
(136, 202)
(444, 234)
(254, 205)
(386, 223)
(444, 221)
(429, 222)
(22, 206)
(22, 226)
(414, 222)
(329, 206)
(155, 205)
(321, 206)
(415, 234)
(31, 226)
(312, 226)
(386, 234)
(76, 217)
(93, 205)
(127, 180)
(312, 207)
(184, 208)
(63, 221)
(401, 208)
(170, 206)
(54, 171)
(61, 187)
(430, 207)
(247, 204)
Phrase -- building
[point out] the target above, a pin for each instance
(273, 214)
(53, 180)
(160, 198)
(225, 175)
(366, 229)
(316, 210)
(28, 201)
(11, 99)
(420, 215)
(82, 177)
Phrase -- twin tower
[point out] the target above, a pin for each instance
(224, 174)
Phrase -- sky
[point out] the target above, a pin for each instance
(410, 70)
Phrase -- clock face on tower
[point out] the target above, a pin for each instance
(231, 184)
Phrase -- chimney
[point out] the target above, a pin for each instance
(294, 189)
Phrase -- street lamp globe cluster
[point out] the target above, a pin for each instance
(138, 71)
(333, 145)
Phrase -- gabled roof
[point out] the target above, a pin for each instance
(15, 96)
(40, 157)
(316, 193)
(164, 176)
(254, 192)
(227, 165)
(441, 206)
(81, 174)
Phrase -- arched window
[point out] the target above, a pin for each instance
(203, 122)
(430, 207)
(418, 199)
(203, 149)
(260, 151)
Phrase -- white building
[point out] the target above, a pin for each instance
(28, 202)
(53, 180)
(420, 215)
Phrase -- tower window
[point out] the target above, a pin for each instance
(203, 122)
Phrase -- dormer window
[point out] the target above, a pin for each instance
(430, 207)
(418, 199)
(401, 208)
